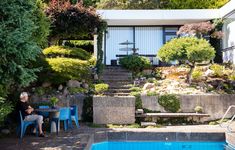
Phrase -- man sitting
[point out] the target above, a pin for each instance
(27, 110)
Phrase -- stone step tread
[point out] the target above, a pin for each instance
(116, 80)
(173, 115)
(145, 124)
(119, 87)
(115, 77)
(117, 94)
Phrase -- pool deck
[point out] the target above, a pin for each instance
(83, 137)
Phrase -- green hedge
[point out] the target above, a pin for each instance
(65, 51)
(88, 45)
(135, 63)
(170, 102)
(70, 68)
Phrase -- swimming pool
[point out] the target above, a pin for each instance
(158, 146)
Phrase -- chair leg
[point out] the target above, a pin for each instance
(76, 122)
(57, 127)
(21, 131)
(65, 125)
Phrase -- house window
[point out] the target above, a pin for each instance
(169, 33)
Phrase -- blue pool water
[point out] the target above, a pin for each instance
(158, 146)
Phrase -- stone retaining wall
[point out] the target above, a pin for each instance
(113, 110)
(214, 105)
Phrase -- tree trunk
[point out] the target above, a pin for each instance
(189, 75)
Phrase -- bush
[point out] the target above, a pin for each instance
(138, 101)
(87, 45)
(74, 90)
(218, 70)
(197, 74)
(170, 102)
(69, 68)
(87, 110)
(64, 51)
(232, 77)
(135, 63)
(101, 88)
(150, 93)
(5, 109)
(135, 89)
(198, 109)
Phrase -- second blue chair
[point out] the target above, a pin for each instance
(74, 115)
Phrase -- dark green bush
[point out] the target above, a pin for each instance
(170, 102)
(101, 88)
(74, 90)
(64, 51)
(5, 109)
(87, 45)
(135, 63)
(87, 110)
(138, 101)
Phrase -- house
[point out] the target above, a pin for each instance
(147, 30)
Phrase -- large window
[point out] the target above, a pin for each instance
(169, 33)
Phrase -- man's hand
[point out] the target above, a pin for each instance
(29, 110)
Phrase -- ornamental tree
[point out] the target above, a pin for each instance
(188, 50)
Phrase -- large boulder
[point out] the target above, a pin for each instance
(73, 84)
(148, 86)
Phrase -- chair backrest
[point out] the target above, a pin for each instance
(74, 110)
(64, 113)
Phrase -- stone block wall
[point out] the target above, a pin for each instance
(113, 110)
(214, 105)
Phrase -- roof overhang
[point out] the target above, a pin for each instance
(157, 17)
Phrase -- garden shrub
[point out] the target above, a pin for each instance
(64, 51)
(170, 102)
(218, 70)
(87, 45)
(151, 93)
(87, 110)
(197, 75)
(135, 63)
(232, 77)
(101, 88)
(73, 90)
(138, 101)
(135, 89)
(5, 109)
(198, 109)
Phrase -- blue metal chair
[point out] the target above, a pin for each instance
(44, 114)
(23, 126)
(74, 115)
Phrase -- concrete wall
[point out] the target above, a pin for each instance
(214, 105)
(113, 110)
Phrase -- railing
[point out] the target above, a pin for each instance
(230, 121)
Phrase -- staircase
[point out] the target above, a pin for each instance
(118, 79)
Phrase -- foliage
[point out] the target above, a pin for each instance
(5, 109)
(54, 100)
(197, 74)
(87, 45)
(138, 101)
(170, 102)
(200, 29)
(156, 4)
(135, 89)
(40, 91)
(188, 50)
(87, 110)
(151, 93)
(64, 51)
(135, 63)
(198, 109)
(20, 22)
(232, 77)
(73, 90)
(218, 70)
(193, 4)
(72, 21)
(69, 68)
(101, 88)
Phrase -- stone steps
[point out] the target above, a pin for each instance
(116, 94)
(119, 90)
(123, 78)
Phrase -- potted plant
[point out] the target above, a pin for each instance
(198, 109)
(53, 101)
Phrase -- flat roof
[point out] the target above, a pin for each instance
(163, 17)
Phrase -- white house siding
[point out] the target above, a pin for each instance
(229, 39)
(149, 40)
(114, 37)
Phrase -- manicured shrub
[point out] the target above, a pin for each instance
(232, 77)
(135, 63)
(64, 51)
(135, 89)
(170, 102)
(87, 45)
(197, 74)
(198, 109)
(69, 68)
(74, 90)
(101, 88)
(138, 101)
(218, 70)
(188, 50)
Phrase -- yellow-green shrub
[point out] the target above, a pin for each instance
(64, 51)
(218, 70)
(197, 74)
(101, 88)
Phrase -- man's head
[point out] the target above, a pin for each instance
(24, 96)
